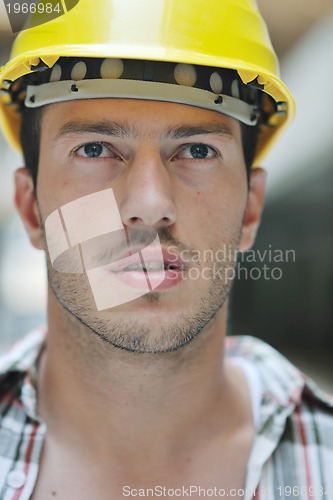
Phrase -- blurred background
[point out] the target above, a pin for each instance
(285, 287)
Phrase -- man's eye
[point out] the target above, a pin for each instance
(196, 152)
(95, 150)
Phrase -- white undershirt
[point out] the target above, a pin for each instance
(254, 383)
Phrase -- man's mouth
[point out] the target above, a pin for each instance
(156, 267)
(151, 267)
(135, 273)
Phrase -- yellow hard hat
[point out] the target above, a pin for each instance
(227, 34)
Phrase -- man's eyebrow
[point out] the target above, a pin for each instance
(100, 127)
(204, 129)
(127, 131)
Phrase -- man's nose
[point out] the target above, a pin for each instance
(145, 196)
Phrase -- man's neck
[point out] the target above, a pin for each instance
(156, 403)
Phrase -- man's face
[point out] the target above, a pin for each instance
(175, 171)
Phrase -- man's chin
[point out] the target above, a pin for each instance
(156, 322)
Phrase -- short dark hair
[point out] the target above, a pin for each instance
(30, 141)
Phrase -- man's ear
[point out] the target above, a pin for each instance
(26, 204)
(254, 208)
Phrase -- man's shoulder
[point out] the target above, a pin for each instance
(22, 354)
(19, 360)
(295, 432)
(19, 423)
(284, 385)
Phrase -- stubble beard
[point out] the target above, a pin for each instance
(117, 329)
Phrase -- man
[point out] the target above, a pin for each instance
(139, 126)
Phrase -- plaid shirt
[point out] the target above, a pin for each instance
(292, 455)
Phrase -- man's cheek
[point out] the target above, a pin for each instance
(87, 235)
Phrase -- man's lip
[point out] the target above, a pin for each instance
(150, 255)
